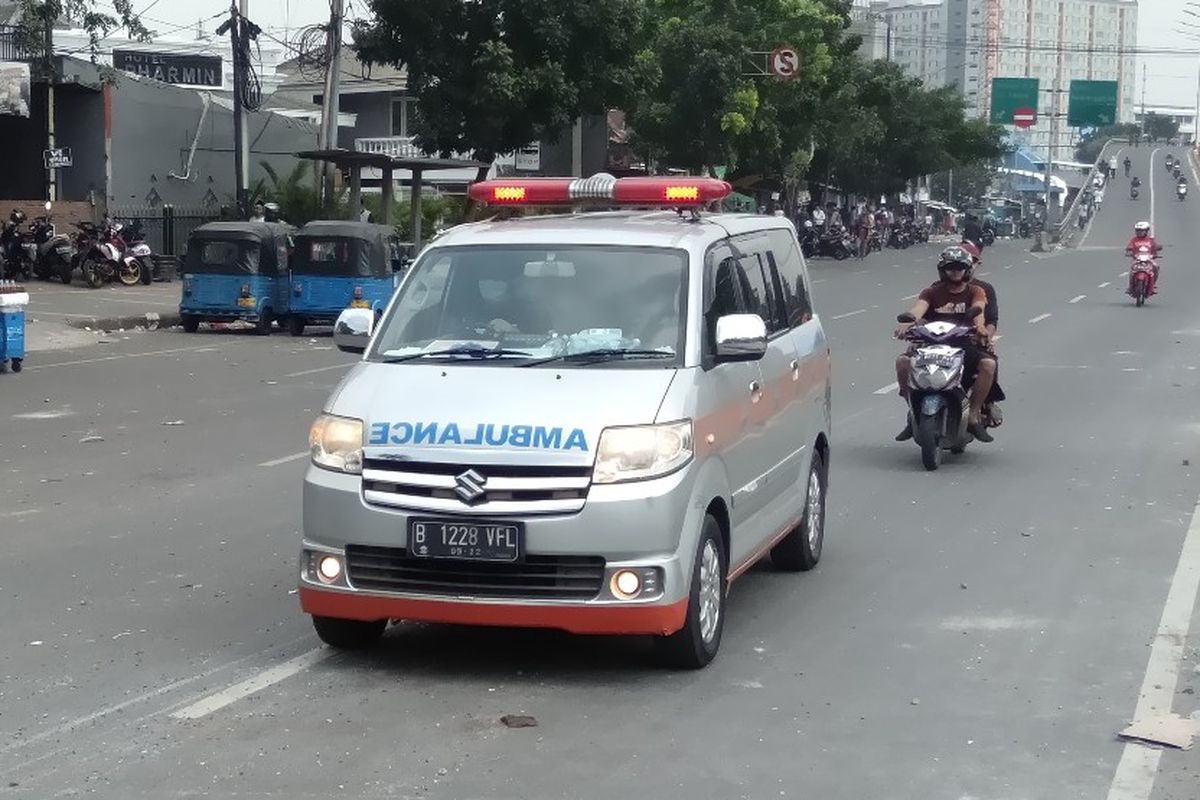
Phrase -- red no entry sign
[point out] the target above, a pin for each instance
(1024, 117)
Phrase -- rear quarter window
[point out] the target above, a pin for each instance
(784, 255)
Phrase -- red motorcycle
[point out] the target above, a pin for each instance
(1143, 274)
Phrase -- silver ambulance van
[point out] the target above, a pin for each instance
(585, 421)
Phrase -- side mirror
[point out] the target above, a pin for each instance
(905, 317)
(353, 329)
(741, 337)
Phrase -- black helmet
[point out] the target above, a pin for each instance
(957, 256)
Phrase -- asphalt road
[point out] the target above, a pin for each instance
(979, 632)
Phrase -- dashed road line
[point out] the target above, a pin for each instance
(118, 356)
(1105, 284)
(1077, 298)
(1039, 318)
(275, 462)
(843, 316)
(253, 685)
(891, 387)
(304, 372)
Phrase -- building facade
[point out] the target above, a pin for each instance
(919, 38)
(1184, 116)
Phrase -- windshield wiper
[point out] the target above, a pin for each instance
(602, 354)
(468, 351)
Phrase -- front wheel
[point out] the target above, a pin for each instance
(348, 634)
(191, 323)
(695, 644)
(930, 436)
(841, 253)
(93, 275)
(800, 550)
(263, 326)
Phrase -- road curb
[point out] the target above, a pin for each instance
(150, 320)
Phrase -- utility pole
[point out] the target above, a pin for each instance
(48, 43)
(1051, 147)
(237, 29)
(330, 104)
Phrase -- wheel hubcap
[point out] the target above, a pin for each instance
(815, 511)
(710, 591)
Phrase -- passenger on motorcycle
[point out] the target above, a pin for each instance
(1142, 237)
(950, 300)
(973, 231)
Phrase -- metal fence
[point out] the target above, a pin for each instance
(15, 45)
(166, 227)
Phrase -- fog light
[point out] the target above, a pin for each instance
(329, 568)
(626, 584)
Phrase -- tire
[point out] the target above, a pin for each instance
(930, 439)
(92, 275)
(130, 274)
(841, 253)
(348, 634)
(958, 451)
(689, 647)
(147, 272)
(1140, 298)
(64, 274)
(263, 326)
(191, 324)
(17, 364)
(295, 326)
(800, 550)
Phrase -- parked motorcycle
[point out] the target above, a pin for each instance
(17, 263)
(810, 242)
(109, 258)
(137, 249)
(52, 253)
(898, 237)
(836, 243)
(939, 402)
(1143, 274)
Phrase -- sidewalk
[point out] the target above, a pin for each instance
(109, 308)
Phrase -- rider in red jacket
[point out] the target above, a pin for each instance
(1142, 237)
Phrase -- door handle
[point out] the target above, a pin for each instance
(795, 365)
(755, 388)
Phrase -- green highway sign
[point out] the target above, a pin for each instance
(1092, 104)
(1010, 95)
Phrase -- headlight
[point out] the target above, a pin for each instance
(641, 452)
(336, 443)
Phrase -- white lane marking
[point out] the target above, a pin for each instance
(1009, 266)
(253, 685)
(1106, 283)
(1039, 318)
(911, 297)
(1123, 274)
(53, 414)
(849, 314)
(326, 369)
(1192, 164)
(1134, 779)
(891, 387)
(1077, 298)
(275, 462)
(984, 274)
(118, 356)
(23, 513)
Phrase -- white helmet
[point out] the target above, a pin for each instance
(808, 223)
(1142, 227)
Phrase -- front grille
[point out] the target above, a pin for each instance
(537, 577)
(505, 489)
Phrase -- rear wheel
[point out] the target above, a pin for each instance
(130, 273)
(263, 326)
(800, 550)
(296, 326)
(695, 644)
(348, 634)
(93, 274)
(191, 324)
(16, 364)
(929, 435)
(147, 272)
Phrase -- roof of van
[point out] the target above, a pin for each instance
(626, 228)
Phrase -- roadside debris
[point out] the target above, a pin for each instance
(1168, 730)
(518, 721)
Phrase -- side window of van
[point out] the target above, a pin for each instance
(785, 258)
(759, 291)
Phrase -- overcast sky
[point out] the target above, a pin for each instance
(1172, 75)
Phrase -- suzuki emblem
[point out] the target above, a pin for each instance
(470, 486)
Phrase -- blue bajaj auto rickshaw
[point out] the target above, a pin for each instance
(340, 265)
(236, 271)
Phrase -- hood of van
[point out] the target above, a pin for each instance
(495, 415)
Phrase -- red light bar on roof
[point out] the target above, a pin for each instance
(671, 192)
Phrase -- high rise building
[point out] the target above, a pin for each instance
(1056, 41)
(919, 36)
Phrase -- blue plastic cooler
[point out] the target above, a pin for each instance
(12, 337)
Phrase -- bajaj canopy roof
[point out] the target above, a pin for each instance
(352, 249)
(237, 247)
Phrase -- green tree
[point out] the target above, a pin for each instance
(965, 185)
(885, 128)
(296, 193)
(491, 76)
(701, 104)
(1160, 127)
(1090, 146)
(36, 16)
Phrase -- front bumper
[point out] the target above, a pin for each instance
(657, 620)
(637, 526)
